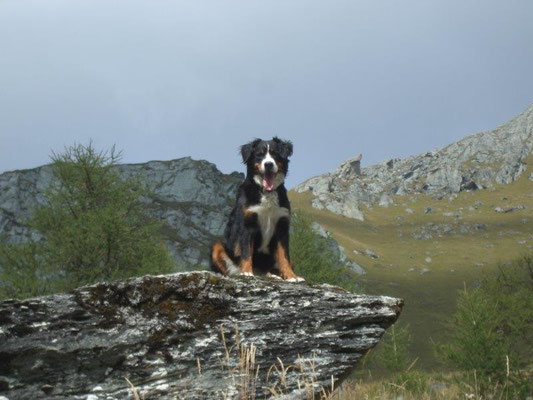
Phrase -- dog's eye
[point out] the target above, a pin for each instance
(262, 152)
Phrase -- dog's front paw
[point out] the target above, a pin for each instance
(296, 279)
(272, 276)
(246, 274)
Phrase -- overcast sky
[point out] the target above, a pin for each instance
(167, 79)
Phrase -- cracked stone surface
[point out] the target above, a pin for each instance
(164, 333)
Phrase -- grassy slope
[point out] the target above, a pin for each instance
(430, 297)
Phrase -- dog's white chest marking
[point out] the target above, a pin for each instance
(268, 213)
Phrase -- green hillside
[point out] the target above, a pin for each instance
(427, 249)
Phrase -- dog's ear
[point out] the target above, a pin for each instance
(247, 150)
(284, 147)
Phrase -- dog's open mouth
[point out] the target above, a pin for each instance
(269, 181)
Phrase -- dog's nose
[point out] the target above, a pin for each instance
(269, 166)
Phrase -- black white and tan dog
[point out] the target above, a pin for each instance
(257, 233)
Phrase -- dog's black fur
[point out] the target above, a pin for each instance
(257, 233)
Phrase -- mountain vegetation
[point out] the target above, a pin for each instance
(93, 227)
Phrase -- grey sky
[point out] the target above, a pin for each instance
(166, 79)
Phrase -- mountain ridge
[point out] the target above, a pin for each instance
(477, 161)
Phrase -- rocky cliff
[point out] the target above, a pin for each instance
(192, 198)
(189, 336)
(476, 162)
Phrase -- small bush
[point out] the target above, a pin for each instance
(26, 274)
(492, 330)
(477, 342)
(392, 353)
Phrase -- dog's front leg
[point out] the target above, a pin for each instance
(281, 253)
(247, 250)
(246, 242)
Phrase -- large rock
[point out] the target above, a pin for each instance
(474, 162)
(191, 198)
(190, 335)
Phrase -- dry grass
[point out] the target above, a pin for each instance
(133, 389)
(241, 365)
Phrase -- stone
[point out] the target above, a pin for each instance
(371, 253)
(509, 209)
(187, 335)
(480, 227)
(356, 268)
(385, 200)
(422, 234)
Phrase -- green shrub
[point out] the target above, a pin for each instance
(312, 258)
(24, 273)
(94, 227)
(492, 329)
(392, 353)
(511, 288)
(477, 342)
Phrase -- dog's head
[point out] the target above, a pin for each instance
(267, 161)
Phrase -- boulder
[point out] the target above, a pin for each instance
(188, 335)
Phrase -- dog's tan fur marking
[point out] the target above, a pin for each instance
(218, 254)
(248, 213)
(237, 250)
(246, 263)
(285, 266)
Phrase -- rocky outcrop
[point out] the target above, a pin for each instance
(476, 162)
(192, 199)
(188, 335)
(337, 250)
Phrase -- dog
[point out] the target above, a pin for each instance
(257, 233)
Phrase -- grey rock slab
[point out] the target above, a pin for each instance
(184, 335)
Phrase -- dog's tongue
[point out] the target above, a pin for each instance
(268, 182)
